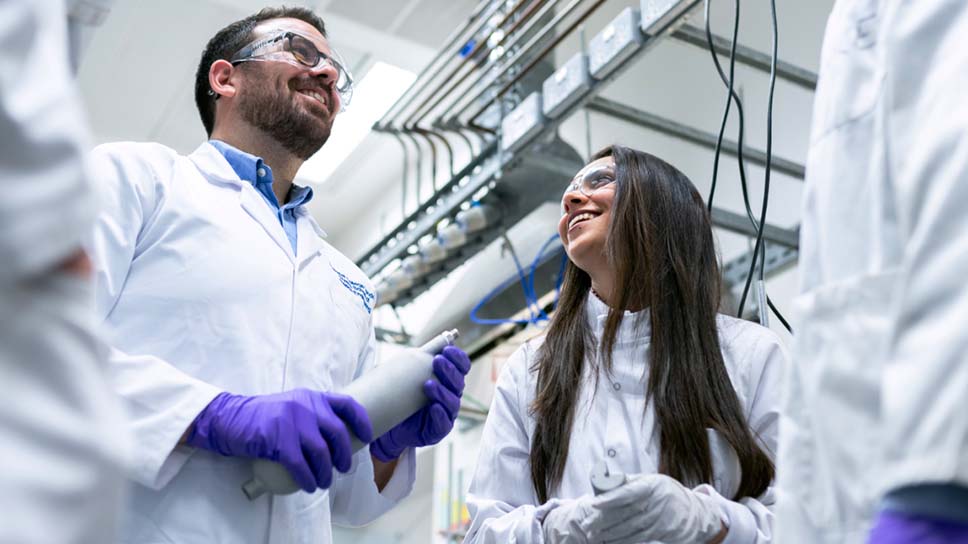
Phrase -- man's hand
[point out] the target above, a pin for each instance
(301, 429)
(434, 421)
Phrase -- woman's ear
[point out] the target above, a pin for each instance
(220, 78)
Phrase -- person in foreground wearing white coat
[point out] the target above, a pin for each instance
(636, 369)
(233, 321)
(62, 440)
(874, 434)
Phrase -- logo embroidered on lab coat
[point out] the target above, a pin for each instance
(357, 289)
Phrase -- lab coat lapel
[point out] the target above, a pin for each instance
(217, 170)
(310, 239)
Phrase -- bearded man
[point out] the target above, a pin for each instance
(232, 321)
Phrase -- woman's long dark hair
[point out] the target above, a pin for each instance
(660, 246)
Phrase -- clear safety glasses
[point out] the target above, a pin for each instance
(287, 46)
(588, 182)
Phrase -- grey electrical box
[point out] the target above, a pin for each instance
(564, 87)
(657, 15)
(615, 43)
(523, 123)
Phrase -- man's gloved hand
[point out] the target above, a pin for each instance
(432, 423)
(903, 528)
(303, 430)
(652, 507)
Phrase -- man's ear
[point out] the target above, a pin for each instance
(220, 78)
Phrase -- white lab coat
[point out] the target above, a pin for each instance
(876, 399)
(61, 436)
(200, 293)
(612, 425)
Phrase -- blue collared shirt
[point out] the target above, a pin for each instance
(255, 171)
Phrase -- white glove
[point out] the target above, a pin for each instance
(585, 519)
(665, 511)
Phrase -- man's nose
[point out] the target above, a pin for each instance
(326, 71)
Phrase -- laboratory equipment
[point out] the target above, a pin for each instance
(565, 86)
(523, 123)
(615, 43)
(605, 478)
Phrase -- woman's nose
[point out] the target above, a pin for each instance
(571, 200)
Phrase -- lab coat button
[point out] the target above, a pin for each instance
(611, 452)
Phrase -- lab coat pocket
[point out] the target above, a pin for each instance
(828, 440)
(727, 473)
(851, 78)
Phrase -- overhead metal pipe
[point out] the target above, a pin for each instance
(406, 170)
(433, 161)
(423, 109)
(547, 49)
(510, 46)
(431, 68)
(447, 146)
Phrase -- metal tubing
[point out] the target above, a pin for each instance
(504, 68)
(442, 138)
(452, 40)
(433, 161)
(422, 110)
(421, 211)
(418, 160)
(690, 134)
(748, 56)
(406, 170)
(550, 47)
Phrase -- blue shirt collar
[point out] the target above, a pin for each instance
(254, 170)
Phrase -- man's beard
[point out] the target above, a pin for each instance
(298, 131)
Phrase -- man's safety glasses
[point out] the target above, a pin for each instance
(287, 46)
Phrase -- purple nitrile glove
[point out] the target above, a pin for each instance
(898, 528)
(304, 430)
(432, 422)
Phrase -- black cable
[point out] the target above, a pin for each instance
(730, 97)
(779, 316)
(766, 176)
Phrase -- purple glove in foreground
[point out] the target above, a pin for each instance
(301, 429)
(897, 528)
(432, 423)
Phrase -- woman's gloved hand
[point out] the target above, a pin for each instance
(587, 519)
(303, 430)
(435, 420)
(651, 507)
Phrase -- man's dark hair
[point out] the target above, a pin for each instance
(228, 41)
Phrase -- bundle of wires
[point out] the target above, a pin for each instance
(536, 314)
(759, 250)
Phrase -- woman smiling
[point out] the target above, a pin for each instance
(636, 369)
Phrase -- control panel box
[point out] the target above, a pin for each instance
(523, 123)
(568, 84)
(658, 15)
(615, 43)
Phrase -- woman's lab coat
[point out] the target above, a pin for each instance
(200, 292)
(61, 437)
(876, 396)
(612, 425)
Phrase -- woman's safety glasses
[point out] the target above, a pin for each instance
(287, 46)
(588, 182)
